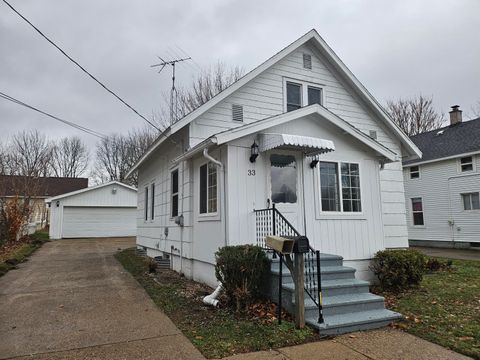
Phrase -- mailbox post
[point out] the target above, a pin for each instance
(300, 247)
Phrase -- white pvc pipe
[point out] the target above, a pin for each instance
(212, 298)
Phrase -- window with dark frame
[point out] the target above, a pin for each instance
(417, 212)
(471, 201)
(152, 207)
(294, 96)
(208, 188)
(466, 163)
(414, 172)
(146, 203)
(174, 192)
(314, 95)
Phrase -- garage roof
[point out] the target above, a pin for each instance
(89, 189)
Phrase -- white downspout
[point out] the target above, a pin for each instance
(212, 298)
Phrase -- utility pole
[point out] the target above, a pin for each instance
(173, 90)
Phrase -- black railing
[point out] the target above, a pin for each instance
(271, 222)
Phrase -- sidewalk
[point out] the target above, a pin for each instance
(383, 344)
(461, 254)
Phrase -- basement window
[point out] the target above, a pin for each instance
(471, 201)
(414, 172)
(466, 164)
(417, 212)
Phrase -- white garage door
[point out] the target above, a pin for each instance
(80, 222)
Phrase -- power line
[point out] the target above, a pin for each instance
(80, 66)
(72, 124)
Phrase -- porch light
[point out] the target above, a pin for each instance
(253, 152)
(314, 163)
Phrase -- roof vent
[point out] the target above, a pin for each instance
(440, 132)
(237, 112)
(373, 134)
(455, 115)
(307, 61)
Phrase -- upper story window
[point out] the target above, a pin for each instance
(417, 211)
(146, 203)
(301, 93)
(341, 195)
(471, 201)
(466, 164)
(174, 193)
(414, 172)
(208, 188)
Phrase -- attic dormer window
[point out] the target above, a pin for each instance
(307, 61)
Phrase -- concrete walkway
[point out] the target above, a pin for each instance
(461, 254)
(73, 300)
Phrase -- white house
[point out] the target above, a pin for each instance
(106, 210)
(328, 156)
(442, 189)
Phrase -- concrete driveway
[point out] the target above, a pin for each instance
(73, 300)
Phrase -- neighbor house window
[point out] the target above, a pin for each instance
(417, 211)
(174, 190)
(314, 95)
(466, 163)
(146, 203)
(294, 96)
(414, 172)
(341, 195)
(152, 209)
(208, 188)
(471, 201)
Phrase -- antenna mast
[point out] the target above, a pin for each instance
(173, 90)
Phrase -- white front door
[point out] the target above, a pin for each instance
(285, 186)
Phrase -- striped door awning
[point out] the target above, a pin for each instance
(311, 146)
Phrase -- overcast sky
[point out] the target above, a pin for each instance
(396, 49)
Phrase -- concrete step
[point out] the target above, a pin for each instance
(162, 263)
(344, 304)
(327, 273)
(325, 260)
(344, 323)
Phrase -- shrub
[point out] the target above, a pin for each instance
(434, 264)
(152, 265)
(398, 269)
(243, 271)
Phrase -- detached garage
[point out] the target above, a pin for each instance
(107, 210)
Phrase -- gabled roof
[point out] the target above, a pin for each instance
(313, 38)
(12, 185)
(261, 125)
(449, 141)
(90, 189)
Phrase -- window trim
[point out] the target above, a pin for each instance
(414, 172)
(331, 215)
(459, 165)
(172, 217)
(412, 212)
(304, 91)
(471, 203)
(209, 215)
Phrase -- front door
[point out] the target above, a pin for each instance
(285, 185)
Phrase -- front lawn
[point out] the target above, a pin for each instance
(215, 332)
(445, 309)
(11, 254)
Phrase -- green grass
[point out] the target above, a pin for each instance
(21, 253)
(445, 309)
(215, 332)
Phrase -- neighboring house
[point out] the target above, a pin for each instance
(299, 131)
(106, 210)
(37, 190)
(442, 189)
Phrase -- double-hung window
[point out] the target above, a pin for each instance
(300, 94)
(146, 203)
(174, 191)
(152, 207)
(414, 172)
(471, 201)
(466, 163)
(340, 187)
(417, 212)
(208, 188)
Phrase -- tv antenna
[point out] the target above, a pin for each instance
(173, 91)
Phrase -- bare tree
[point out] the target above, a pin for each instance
(476, 109)
(415, 115)
(69, 157)
(30, 154)
(116, 154)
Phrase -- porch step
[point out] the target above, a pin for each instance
(326, 273)
(325, 260)
(344, 323)
(344, 304)
(162, 263)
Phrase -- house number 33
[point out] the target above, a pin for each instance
(251, 172)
